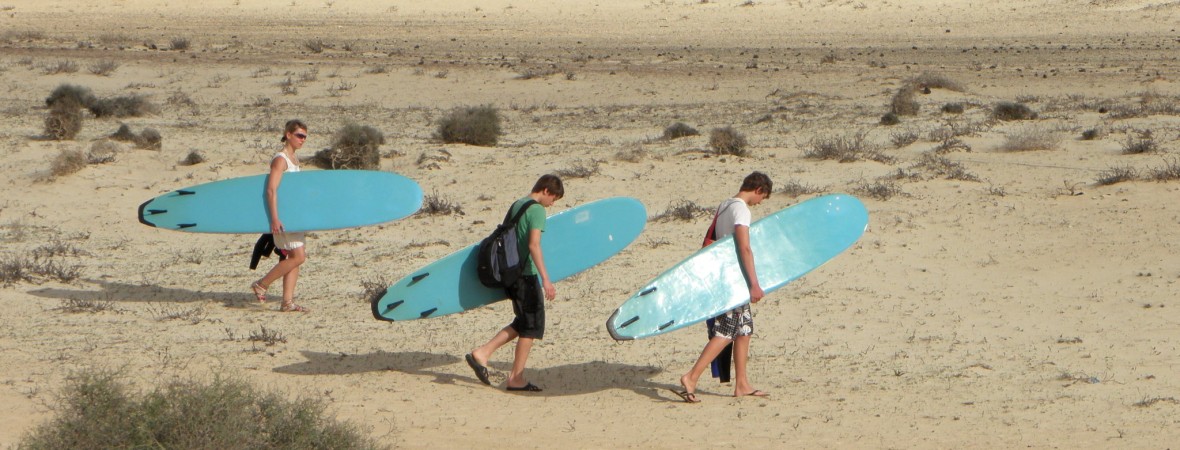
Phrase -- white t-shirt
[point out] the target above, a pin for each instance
(732, 212)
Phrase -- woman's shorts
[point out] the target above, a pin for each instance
(288, 241)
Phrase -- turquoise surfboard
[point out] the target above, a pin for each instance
(786, 245)
(308, 201)
(574, 240)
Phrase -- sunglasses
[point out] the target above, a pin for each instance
(300, 135)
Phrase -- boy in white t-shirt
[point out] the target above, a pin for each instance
(737, 325)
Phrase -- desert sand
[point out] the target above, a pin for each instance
(1023, 305)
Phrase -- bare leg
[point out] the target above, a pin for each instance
(516, 378)
(280, 270)
(741, 356)
(712, 349)
(484, 352)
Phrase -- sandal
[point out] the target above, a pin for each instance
(259, 292)
(293, 308)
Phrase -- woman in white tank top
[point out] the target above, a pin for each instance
(291, 248)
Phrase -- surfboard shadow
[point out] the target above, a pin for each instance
(123, 292)
(412, 363)
(589, 377)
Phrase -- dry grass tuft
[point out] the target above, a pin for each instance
(727, 141)
(1009, 111)
(1029, 139)
(679, 130)
(684, 210)
(437, 205)
(1115, 175)
(845, 148)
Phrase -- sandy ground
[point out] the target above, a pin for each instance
(1025, 305)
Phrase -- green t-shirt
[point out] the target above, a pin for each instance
(533, 219)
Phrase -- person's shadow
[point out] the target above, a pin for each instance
(571, 379)
(124, 292)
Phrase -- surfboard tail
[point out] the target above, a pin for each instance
(142, 216)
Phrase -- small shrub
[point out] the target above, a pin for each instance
(632, 155)
(149, 139)
(1170, 171)
(124, 134)
(314, 45)
(943, 167)
(1143, 143)
(933, 80)
(794, 189)
(179, 43)
(903, 138)
(953, 108)
(103, 151)
(378, 69)
(845, 148)
(354, 147)
(35, 270)
(63, 66)
(890, 119)
(268, 337)
(880, 189)
(580, 170)
(903, 102)
(437, 205)
(1029, 139)
(78, 306)
(684, 210)
(194, 157)
(64, 120)
(679, 130)
(68, 162)
(1093, 134)
(1009, 111)
(134, 105)
(103, 68)
(1117, 175)
(96, 410)
(477, 125)
(81, 96)
(727, 141)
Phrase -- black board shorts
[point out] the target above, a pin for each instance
(528, 304)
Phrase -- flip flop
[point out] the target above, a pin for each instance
(688, 397)
(526, 388)
(756, 393)
(481, 371)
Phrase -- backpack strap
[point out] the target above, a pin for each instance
(711, 236)
(519, 212)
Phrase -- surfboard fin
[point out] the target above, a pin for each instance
(185, 225)
(666, 325)
(427, 312)
(629, 322)
(419, 277)
(647, 291)
(394, 305)
(184, 192)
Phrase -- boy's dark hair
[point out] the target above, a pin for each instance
(758, 181)
(550, 182)
(291, 126)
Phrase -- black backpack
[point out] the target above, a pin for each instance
(499, 260)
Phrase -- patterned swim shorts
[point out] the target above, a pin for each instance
(735, 322)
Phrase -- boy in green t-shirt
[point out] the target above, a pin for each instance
(529, 291)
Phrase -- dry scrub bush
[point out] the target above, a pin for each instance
(727, 141)
(1139, 143)
(579, 170)
(353, 147)
(178, 43)
(133, 105)
(124, 134)
(845, 148)
(1117, 175)
(1170, 171)
(149, 139)
(1029, 139)
(34, 270)
(81, 96)
(103, 151)
(194, 157)
(679, 130)
(97, 409)
(1009, 111)
(684, 210)
(890, 119)
(903, 102)
(67, 162)
(794, 189)
(473, 125)
(103, 68)
(64, 120)
(437, 205)
(953, 108)
(904, 138)
(933, 80)
(64, 66)
(880, 189)
(943, 167)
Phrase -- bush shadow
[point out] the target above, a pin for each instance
(123, 292)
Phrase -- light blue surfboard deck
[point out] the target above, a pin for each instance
(786, 245)
(308, 201)
(574, 240)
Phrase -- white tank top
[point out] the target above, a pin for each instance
(291, 167)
